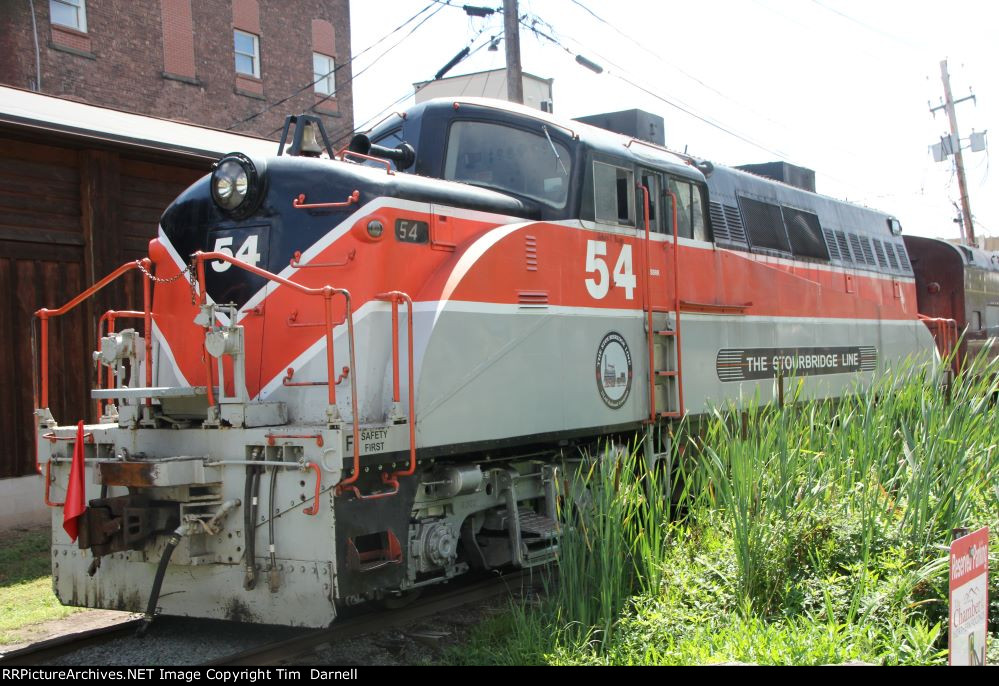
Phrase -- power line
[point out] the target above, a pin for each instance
(707, 121)
(338, 68)
(676, 102)
(412, 91)
(869, 27)
(685, 109)
(409, 93)
(682, 107)
(388, 50)
(672, 65)
(642, 46)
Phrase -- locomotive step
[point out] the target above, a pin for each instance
(533, 524)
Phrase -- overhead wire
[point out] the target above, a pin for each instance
(857, 48)
(672, 103)
(869, 27)
(409, 93)
(683, 107)
(346, 64)
(442, 4)
(680, 105)
(676, 101)
(668, 63)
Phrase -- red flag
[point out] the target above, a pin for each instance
(76, 489)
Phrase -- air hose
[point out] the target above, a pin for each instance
(154, 594)
(250, 521)
(273, 579)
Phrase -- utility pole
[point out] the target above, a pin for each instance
(511, 31)
(968, 229)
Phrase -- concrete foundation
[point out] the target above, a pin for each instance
(21, 503)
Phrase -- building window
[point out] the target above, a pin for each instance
(71, 13)
(247, 53)
(322, 74)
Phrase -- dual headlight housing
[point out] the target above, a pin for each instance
(236, 185)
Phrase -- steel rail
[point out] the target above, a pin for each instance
(352, 627)
(50, 649)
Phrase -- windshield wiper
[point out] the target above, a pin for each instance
(551, 143)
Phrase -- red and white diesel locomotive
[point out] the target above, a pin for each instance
(357, 372)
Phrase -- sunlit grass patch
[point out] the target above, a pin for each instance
(25, 583)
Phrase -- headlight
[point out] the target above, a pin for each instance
(234, 184)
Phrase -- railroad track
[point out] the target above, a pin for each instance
(45, 651)
(438, 599)
(352, 627)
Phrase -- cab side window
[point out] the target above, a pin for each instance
(652, 183)
(613, 194)
(689, 210)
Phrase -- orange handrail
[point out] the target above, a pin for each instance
(297, 256)
(676, 306)
(300, 204)
(327, 293)
(392, 479)
(44, 314)
(314, 508)
(647, 293)
(945, 335)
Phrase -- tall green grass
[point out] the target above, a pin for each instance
(821, 521)
(900, 457)
(615, 517)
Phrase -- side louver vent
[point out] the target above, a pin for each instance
(903, 258)
(844, 246)
(890, 252)
(718, 222)
(532, 299)
(834, 252)
(726, 223)
(880, 252)
(868, 253)
(858, 251)
(736, 231)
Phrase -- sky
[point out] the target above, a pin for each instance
(843, 87)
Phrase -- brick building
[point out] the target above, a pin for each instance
(208, 63)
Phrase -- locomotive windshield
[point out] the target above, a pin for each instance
(508, 159)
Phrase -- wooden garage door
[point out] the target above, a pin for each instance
(41, 265)
(68, 217)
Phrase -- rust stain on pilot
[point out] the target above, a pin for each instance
(133, 474)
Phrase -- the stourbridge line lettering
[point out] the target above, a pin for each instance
(743, 364)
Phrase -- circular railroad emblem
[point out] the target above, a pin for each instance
(613, 370)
